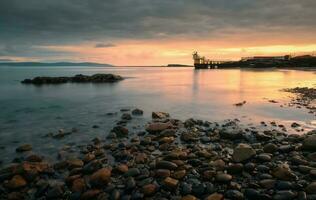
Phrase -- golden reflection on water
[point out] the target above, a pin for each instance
(229, 86)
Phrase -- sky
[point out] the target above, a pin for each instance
(154, 32)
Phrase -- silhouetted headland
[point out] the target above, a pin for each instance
(64, 64)
(287, 61)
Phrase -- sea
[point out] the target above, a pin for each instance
(28, 113)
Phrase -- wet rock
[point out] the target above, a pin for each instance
(149, 189)
(132, 172)
(95, 126)
(75, 163)
(166, 165)
(252, 193)
(284, 185)
(158, 127)
(122, 168)
(264, 157)
(90, 194)
(295, 125)
(126, 116)
(55, 192)
(235, 168)
(309, 143)
(16, 182)
(190, 137)
(120, 131)
(79, 78)
(137, 112)
(179, 174)
(267, 183)
(170, 182)
(284, 195)
(78, 185)
(222, 177)
(101, 177)
(234, 194)
(34, 158)
(130, 183)
(243, 152)
(88, 157)
(215, 196)
(301, 195)
(160, 115)
(24, 147)
(311, 188)
(283, 172)
(270, 148)
(163, 173)
(231, 133)
(189, 197)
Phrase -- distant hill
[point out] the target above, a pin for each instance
(178, 65)
(65, 64)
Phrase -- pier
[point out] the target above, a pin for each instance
(203, 63)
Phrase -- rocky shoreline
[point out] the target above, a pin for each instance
(304, 97)
(79, 78)
(171, 159)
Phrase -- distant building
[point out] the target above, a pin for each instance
(266, 58)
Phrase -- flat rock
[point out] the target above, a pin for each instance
(158, 126)
(243, 152)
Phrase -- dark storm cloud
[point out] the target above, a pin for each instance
(45, 22)
(102, 45)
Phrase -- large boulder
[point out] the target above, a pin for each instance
(283, 172)
(243, 152)
(160, 115)
(101, 177)
(309, 143)
(158, 126)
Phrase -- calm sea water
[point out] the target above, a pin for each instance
(28, 113)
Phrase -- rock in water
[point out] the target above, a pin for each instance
(158, 127)
(309, 143)
(137, 112)
(120, 131)
(243, 152)
(24, 147)
(160, 115)
(96, 78)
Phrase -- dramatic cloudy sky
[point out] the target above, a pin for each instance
(153, 32)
